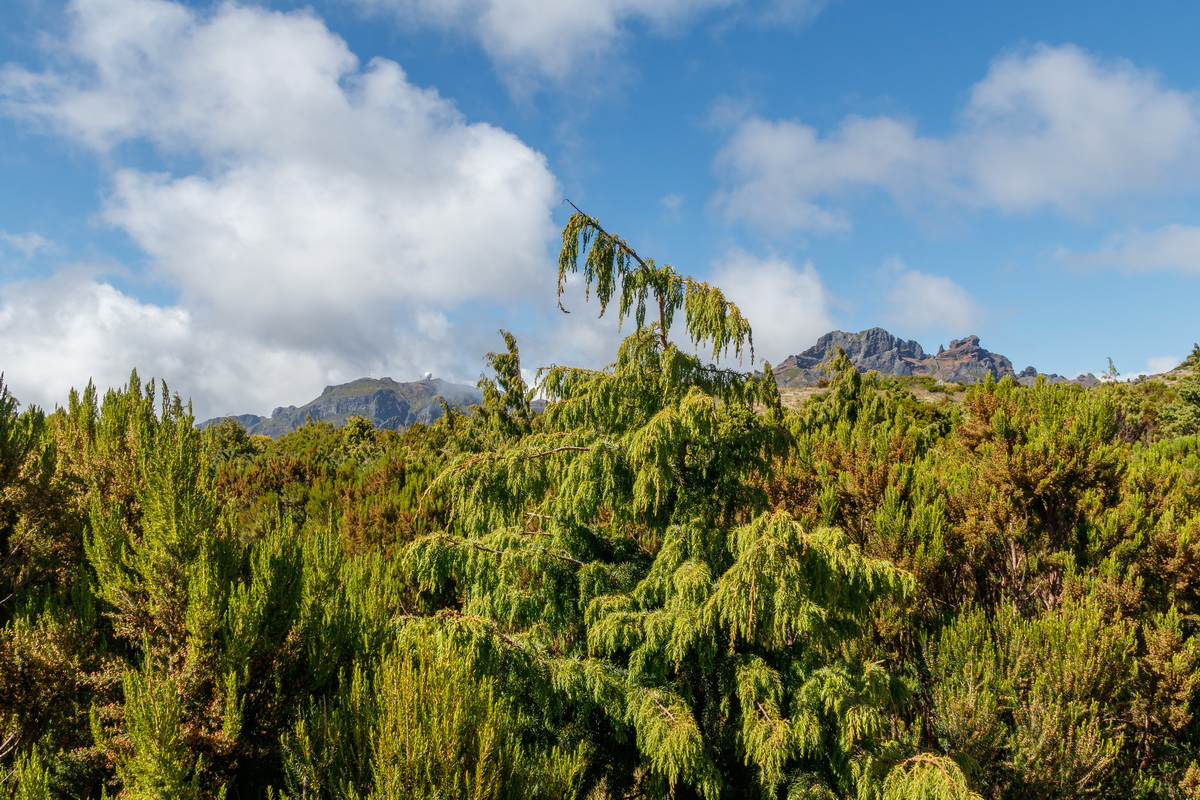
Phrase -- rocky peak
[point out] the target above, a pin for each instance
(870, 349)
(965, 361)
(962, 361)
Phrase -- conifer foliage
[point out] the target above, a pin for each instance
(625, 552)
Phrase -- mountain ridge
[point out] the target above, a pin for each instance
(389, 404)
(395, 405)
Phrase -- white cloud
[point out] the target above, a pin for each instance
(61, 332)
(1172, 248)
(339, 217)
(783, 172)
(788, 306)
(919, 301)
(65, 330)
(530, 41)
(1059, 128)
(535, 39)
(1052, 128)
(26, 243)
(84, 328)
(1156, 365)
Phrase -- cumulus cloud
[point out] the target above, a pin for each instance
(920, 301)
(788, 306)
(62, 332)
(783, 173)
(1051, 128)
(1172, 248)
(338, 214)
(1059, 128)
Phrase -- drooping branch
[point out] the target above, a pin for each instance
(612, 265)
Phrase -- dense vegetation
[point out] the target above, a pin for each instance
(665, 584)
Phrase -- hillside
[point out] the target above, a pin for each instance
(391, 405)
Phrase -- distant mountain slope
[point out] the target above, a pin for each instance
(389, 404)
(392, 405)
(964, 361)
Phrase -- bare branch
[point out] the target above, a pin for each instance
(563, 449)
(664, 709)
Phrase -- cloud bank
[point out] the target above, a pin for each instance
(1051, 129)
(333, 219)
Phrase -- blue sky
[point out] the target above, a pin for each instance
(254, 200)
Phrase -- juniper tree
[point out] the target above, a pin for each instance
(620, 561)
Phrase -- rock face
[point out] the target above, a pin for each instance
(871, 349)
(387, 403)
(962, 361)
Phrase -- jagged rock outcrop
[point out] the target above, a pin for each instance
(962, 361)
(873, 349)
(389, 404)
